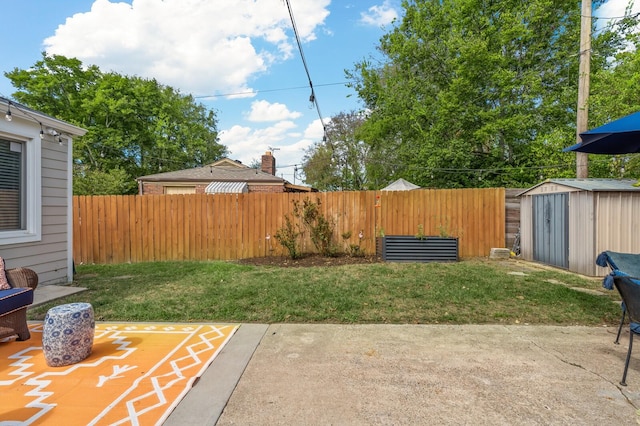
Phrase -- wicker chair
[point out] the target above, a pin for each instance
(14, 322)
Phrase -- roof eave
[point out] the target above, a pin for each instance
(21, 111)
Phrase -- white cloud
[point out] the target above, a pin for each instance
(199, 47)
(266, 111)
(248, 144)
(315, 130)
(379, 15)
(616, 8)
(612, 10)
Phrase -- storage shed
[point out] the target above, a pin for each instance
(568, 222)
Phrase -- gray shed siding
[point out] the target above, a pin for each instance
(619, 223)
(581, 233)
(526, 228)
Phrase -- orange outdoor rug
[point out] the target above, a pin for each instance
(135, 375)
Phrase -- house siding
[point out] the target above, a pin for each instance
(153, 188)
(266, 188)
(49, 256)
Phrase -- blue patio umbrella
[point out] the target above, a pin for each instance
(620, 136)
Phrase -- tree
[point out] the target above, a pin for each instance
(338, 163)
(475, 93)
(97, 182)
(615, 94)
(135, 126)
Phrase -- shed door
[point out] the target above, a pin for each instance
(551, 229)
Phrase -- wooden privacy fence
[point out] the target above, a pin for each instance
(141, 228)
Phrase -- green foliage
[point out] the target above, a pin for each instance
(319, 227)
(443, 230)
(97, 182)
(475, 94)
(338, 163)
(354, 250)
(288, 237)
(615, 94)
(135, 125)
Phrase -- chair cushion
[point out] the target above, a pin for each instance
(15, 298)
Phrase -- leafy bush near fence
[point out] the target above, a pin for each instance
(311, 221)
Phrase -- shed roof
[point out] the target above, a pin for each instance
(400, 185)
(592, 185)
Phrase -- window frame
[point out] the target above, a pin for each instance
(31, 151)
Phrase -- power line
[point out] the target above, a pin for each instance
(631, 15)
(255, 92)
(312, 98)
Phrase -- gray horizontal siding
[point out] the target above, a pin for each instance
(48, 257)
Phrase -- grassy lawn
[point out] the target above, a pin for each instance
(471, 291)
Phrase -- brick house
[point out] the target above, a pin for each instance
(223, 176)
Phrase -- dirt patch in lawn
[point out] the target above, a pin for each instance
(309, 260)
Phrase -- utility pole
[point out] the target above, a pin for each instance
(582, 166)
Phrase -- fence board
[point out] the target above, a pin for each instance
(113, 229)
(100, 230)
(233, 226)
(225, 226)
(122, 235)
(194, 236)
(158, 230)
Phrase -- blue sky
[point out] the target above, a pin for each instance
(216, 48)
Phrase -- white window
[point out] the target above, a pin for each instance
(20, 206)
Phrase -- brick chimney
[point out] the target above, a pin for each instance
(268, 163)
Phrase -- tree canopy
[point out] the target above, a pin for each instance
(135, 126)
(338, 162)
(473, 93)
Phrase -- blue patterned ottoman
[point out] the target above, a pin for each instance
(67, 336)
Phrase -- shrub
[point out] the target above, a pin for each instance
(354, 250)
(319, 227)
(288, 237)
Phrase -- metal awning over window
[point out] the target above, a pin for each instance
(226, 188)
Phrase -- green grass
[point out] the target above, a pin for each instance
(473, 291)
